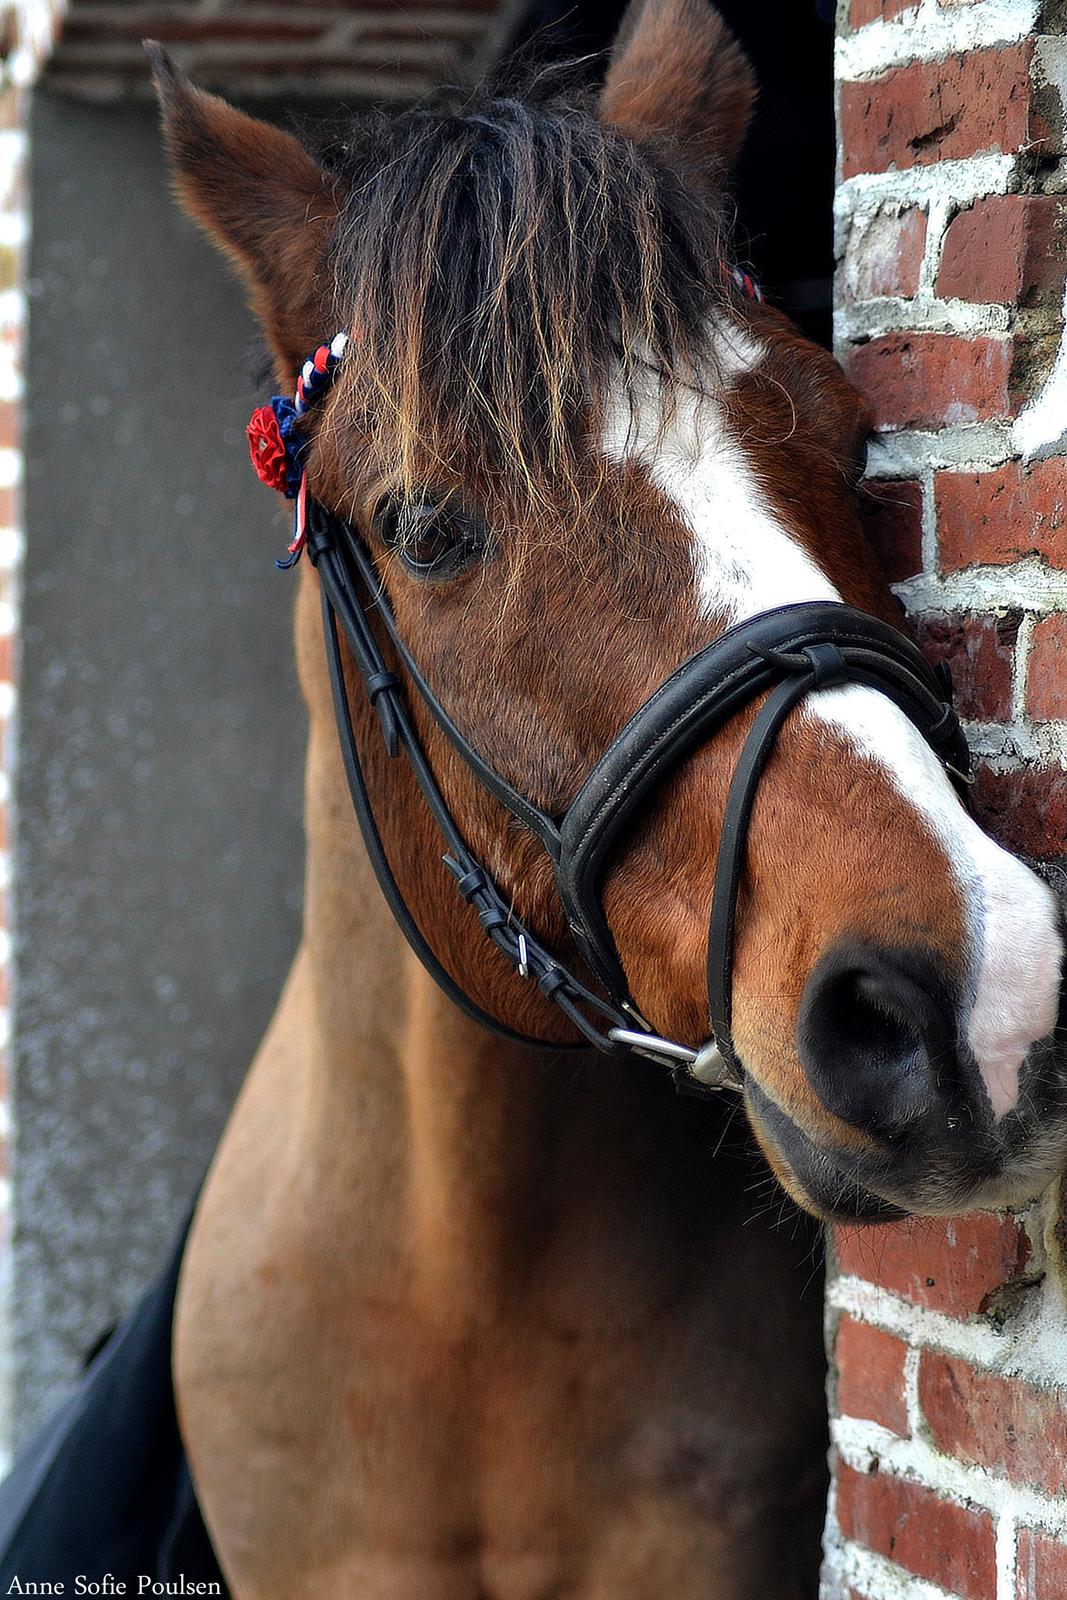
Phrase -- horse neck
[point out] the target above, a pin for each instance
(469, 1153)
(450, 1128)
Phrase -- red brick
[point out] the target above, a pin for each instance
(1014, 1429)
(1005, 249)
(870, 1375)
(989, 518)
(940, 110)
(9, 424)
(1042, 1567)
(181, 27)
(980, 650)
(921, 380)
(885, 254)
(398, 58)
(1046, 677)
(1025, 809)
(893, 522)
(947, 1264)
(864, 11)
(947, 1544)
(487, 6)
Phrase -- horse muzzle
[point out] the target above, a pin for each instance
(900, 1119)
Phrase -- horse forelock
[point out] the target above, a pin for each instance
(500, 271)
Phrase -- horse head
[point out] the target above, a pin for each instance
(576, 457)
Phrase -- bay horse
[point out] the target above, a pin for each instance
(466, 1318)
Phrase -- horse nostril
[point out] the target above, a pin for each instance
(875, 1036)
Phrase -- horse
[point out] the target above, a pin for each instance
(476, 1315)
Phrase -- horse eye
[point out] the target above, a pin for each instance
(432, 541)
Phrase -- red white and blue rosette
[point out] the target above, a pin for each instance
(276, 440)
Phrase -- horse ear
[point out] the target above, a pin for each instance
(260, 196)
(678, 74)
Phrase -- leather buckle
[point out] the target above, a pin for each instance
(828, 665)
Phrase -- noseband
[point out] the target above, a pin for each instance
(784, 654)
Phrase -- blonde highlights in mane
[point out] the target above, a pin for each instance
(500, 270)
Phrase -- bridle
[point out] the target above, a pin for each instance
(785, 654)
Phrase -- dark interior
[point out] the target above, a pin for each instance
(786, 179)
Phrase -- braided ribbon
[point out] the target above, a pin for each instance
(743, 282)
(277, 443)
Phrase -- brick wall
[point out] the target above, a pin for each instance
(333, 50)
(948, 1341)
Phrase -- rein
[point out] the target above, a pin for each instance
(786, 653)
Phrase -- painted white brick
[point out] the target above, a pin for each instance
(866, 1446)
(1020, 743)
(1007, 1555)
(914, 452)
(870, 318)
(969, 178)
(878, 1578)
(931, 33)
(1026, 586)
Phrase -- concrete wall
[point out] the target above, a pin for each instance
(159, 851)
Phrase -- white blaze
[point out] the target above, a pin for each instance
(747, 562)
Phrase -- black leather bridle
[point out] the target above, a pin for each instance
(785, 654)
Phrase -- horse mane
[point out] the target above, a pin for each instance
(500, 269)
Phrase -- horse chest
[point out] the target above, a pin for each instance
(527, 1459)
(615, 1410)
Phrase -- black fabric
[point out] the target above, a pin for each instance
(784, 183)
(104, 1487)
